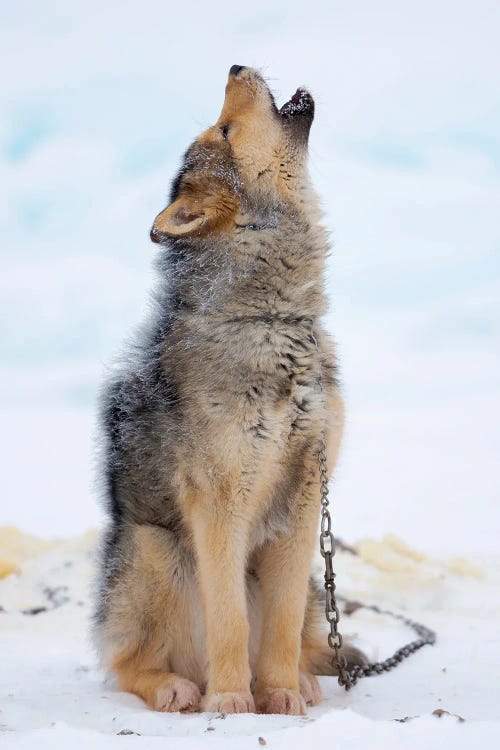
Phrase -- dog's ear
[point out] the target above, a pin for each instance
(185, 216)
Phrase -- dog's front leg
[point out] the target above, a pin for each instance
(284, 571)
(221, 543)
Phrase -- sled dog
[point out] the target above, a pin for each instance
(210, 431)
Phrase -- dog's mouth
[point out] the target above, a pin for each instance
(301, 104)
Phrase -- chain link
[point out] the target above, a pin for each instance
(348, 676)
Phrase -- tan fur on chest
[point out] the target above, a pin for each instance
(254, 418)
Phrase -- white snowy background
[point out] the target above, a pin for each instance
(98, 101)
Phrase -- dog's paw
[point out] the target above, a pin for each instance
(309, 688)
(281, 701)
(177, 694)
(229, 703)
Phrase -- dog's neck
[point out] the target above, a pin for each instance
(276, 269)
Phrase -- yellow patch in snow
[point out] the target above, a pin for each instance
(401, 548)
(391, 555)
(6, 567)
(16, 547)
(462, 567)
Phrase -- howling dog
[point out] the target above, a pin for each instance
(211, 431)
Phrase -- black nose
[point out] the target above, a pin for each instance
(235, 69)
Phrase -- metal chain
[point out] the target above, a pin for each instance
(348, 676)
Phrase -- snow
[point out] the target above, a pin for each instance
(53, 694)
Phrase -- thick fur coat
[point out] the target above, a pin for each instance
(211, 431)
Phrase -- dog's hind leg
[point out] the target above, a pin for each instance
(144, 627)
(160, 689)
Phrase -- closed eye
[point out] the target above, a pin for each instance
(225, 131)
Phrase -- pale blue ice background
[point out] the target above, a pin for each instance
(98, 102)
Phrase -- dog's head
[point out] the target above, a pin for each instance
(252, 159)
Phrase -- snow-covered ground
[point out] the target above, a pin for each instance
(52, 695)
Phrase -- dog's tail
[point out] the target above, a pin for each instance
(320, 660)
(316, 653)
